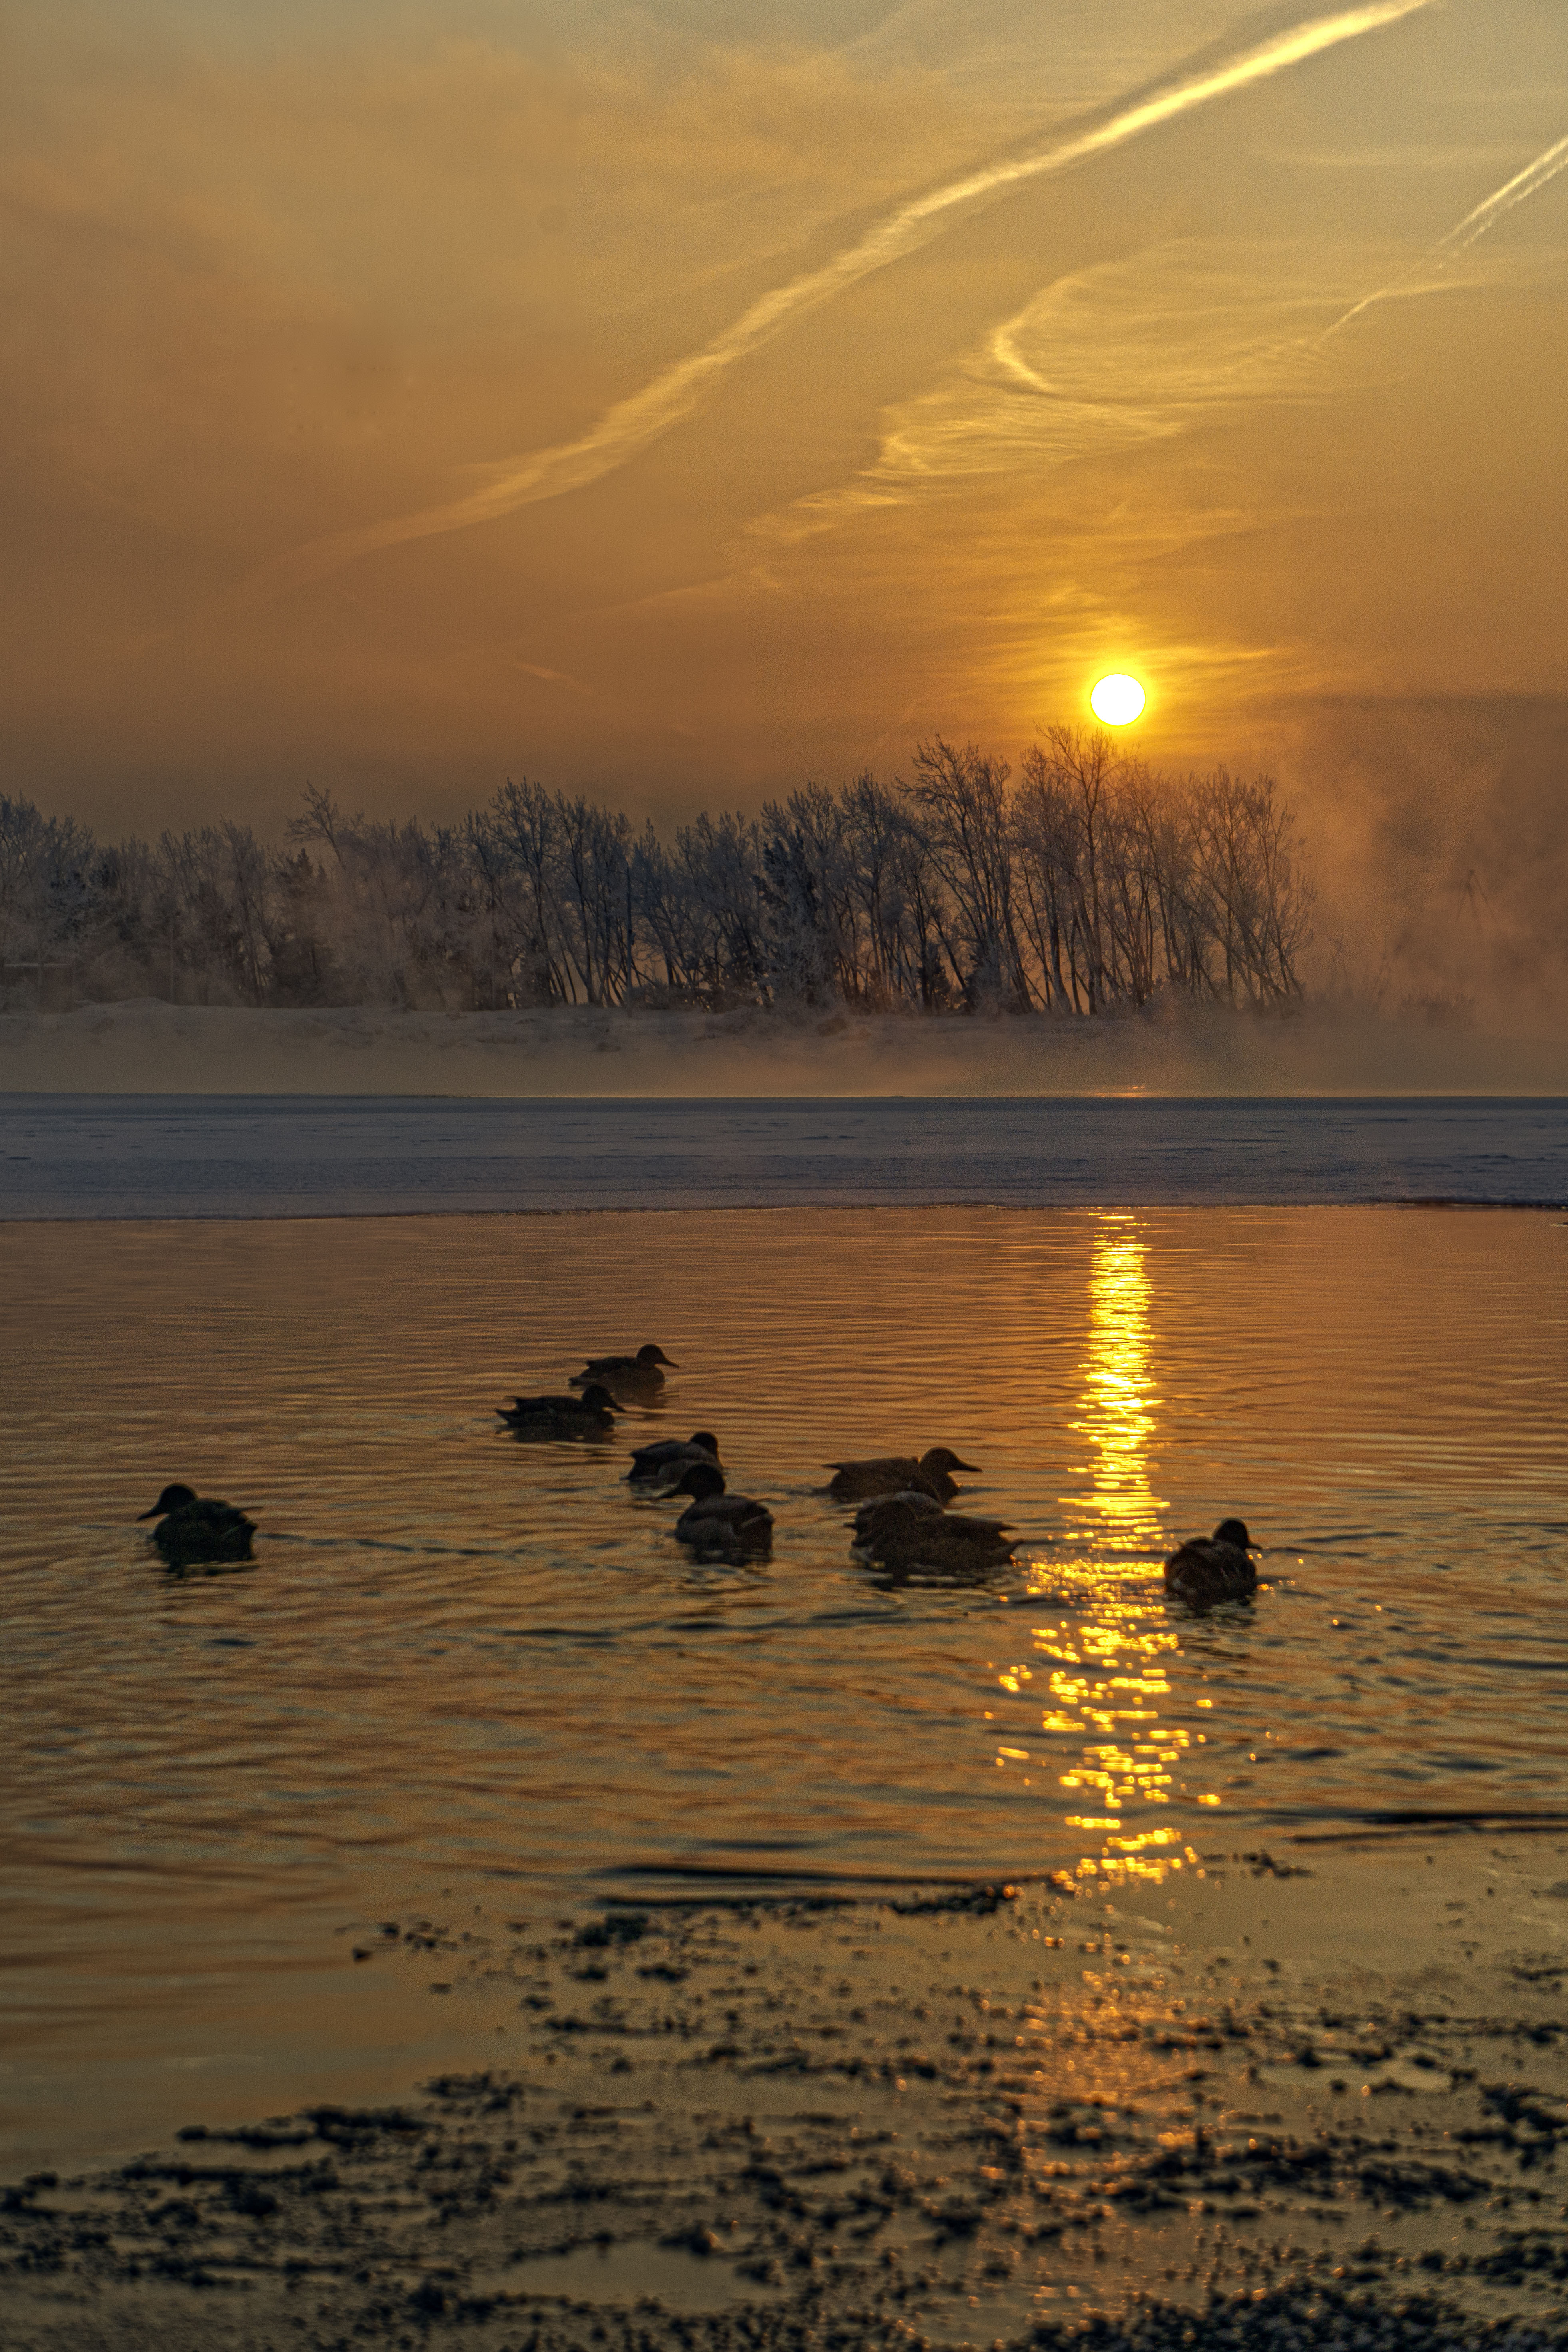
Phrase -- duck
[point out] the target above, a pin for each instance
(1212, 1569)
(715, 1522)
(193, 1528)
(592, 1414)
(672, 1456)
(913, 1531)
(641, 1371)
(897, 1474)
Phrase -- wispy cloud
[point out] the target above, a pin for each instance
(1103, 362)
(1475, 225)
(678, 390)
(551, 676)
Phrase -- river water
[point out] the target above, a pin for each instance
(464, 1672)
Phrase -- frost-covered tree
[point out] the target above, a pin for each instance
(1089, 883)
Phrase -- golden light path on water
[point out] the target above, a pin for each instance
(1108, 1672)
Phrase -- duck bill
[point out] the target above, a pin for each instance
(971, 1466)
(153, 1513)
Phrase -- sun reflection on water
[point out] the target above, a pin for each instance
(1108, 1659)
(1117, 1419)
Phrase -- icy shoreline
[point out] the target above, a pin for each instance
(149, 1048)
(354, 1155)
(1314, 2101)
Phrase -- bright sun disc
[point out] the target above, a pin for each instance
(1117, 700)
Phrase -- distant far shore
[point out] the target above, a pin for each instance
(148, 1047)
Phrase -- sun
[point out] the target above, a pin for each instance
(1117, 700)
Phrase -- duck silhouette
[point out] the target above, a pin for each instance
(913, 1531)
(667, 1459)
(641, 1371)
(897, 1474)
(1212, 1569)
(193, 1529)
(716, 1521)
(592, 1414)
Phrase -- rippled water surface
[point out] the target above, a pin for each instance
(464, 1671)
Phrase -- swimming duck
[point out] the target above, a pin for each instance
(913, 1531)
(193, 1529)
(1212, 1569)
(672, 1456)
(641, 1371)
(592, 1414)
(715, 1522)
(897, 1474)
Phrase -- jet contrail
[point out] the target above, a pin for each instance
(678, 390)
(1474, 224)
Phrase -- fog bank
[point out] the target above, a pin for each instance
(1433, 831)
(149, 1048)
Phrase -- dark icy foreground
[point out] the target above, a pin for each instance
(1264, 2111)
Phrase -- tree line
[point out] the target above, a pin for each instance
(1088, 881)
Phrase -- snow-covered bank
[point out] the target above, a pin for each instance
(151, 1047)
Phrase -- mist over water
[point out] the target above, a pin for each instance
(1434, 831)
(1346, 1049)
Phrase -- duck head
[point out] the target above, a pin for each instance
(942, 1458)
(702, 1482)
(650, 1354)
(596, 1398)
(173, 1498)
(703, 1437)
(1234, 1532)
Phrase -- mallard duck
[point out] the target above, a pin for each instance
(651, 1464)
(897, 1474)
(193, 1529)
(592, 1414)
(1212, 1569)
(715, 1522)
(913, 1531)
(641, 1371)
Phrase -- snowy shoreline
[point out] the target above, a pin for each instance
(147, 1046)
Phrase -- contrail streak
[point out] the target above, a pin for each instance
(678, 390)
(1474, 224)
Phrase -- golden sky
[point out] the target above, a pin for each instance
(400, 395)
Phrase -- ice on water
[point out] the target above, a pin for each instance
(258, 1155)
